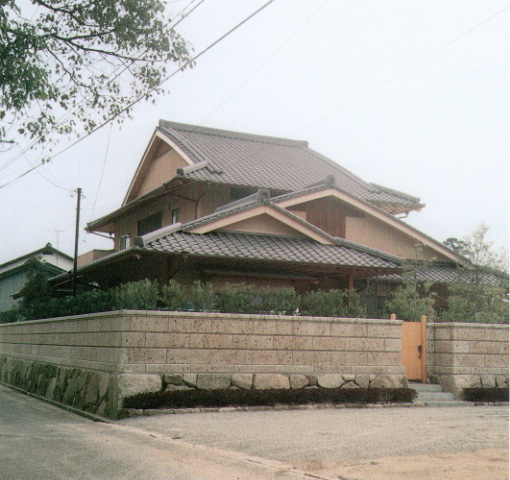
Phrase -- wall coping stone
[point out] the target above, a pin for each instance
(485, 326)
(215, 315)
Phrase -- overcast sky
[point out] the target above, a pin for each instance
(409, 94)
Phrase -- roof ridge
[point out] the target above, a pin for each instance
(396, 192)
(183, 127)
(344, 170)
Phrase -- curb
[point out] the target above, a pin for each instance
(134, 412)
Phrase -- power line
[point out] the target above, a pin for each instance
(113, 76)
(401, 72)
(265, 62)
(102, 170)
(126, 108)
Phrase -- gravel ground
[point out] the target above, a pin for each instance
(326, 439)
(346, 434)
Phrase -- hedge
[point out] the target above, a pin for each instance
(225, 398)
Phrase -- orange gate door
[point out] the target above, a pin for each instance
(414, 353)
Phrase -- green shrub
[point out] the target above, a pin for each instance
(10, 316)
(142, 295)
(281, 301)
(238, 299)
(476, 303)
(479, 394)
(201, 297)
(92, 302)
(410, 301)
(173, 297)
(224, 398)
(354, 307)
(332, 303)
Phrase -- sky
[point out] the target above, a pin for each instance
(409, 94)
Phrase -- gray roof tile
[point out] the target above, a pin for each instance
(267, 248)
(448, 273)
(277, 164)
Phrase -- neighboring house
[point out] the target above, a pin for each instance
(223, 206)
(15, 273)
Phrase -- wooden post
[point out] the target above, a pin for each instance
(350, 280)
(423, 321)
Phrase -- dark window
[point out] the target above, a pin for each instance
(175, 215)
(151, 223)
(125, 241)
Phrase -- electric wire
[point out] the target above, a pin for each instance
(112, 77)
(139, 98)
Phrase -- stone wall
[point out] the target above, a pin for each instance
(94, 361)
(462, 355)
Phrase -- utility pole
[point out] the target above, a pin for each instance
(75, 264)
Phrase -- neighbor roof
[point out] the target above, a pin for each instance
(278, 164)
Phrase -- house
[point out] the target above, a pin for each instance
(15, 273)
(226, 207)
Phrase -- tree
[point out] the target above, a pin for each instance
(67, 65)
(481, 291)
(414, 297)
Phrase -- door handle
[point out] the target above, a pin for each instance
(419, 352)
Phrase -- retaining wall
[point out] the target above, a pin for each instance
(123, 353)
(94, 361)
(462, 355)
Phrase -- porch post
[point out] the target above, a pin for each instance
(350, 280)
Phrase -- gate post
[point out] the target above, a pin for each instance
(423, 321)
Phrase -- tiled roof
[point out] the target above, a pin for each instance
(277, 164)
(447, 273)
(267, 248)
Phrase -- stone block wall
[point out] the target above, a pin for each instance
(462, 355)
(123, 353)
(94, 361)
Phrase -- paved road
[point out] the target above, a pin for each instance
(42, 442)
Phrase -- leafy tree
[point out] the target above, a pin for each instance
(36, 296)
(480, 293)
(414, 297)
(86, 59)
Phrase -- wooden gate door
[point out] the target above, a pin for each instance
(414, 352)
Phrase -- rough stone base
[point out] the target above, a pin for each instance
(457, 383)
(103, 393)
(87, 390)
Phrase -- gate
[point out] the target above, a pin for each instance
(414, 349)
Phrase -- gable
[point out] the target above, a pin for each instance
(263, 225)
(159, 164)
(369, 226)
(268, 217)
(162, 169)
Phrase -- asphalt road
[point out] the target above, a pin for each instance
(41, 442)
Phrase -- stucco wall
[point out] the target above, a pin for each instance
(374, 233)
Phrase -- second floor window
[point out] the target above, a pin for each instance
(125, 241)
(149, 224)
(175, 215)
